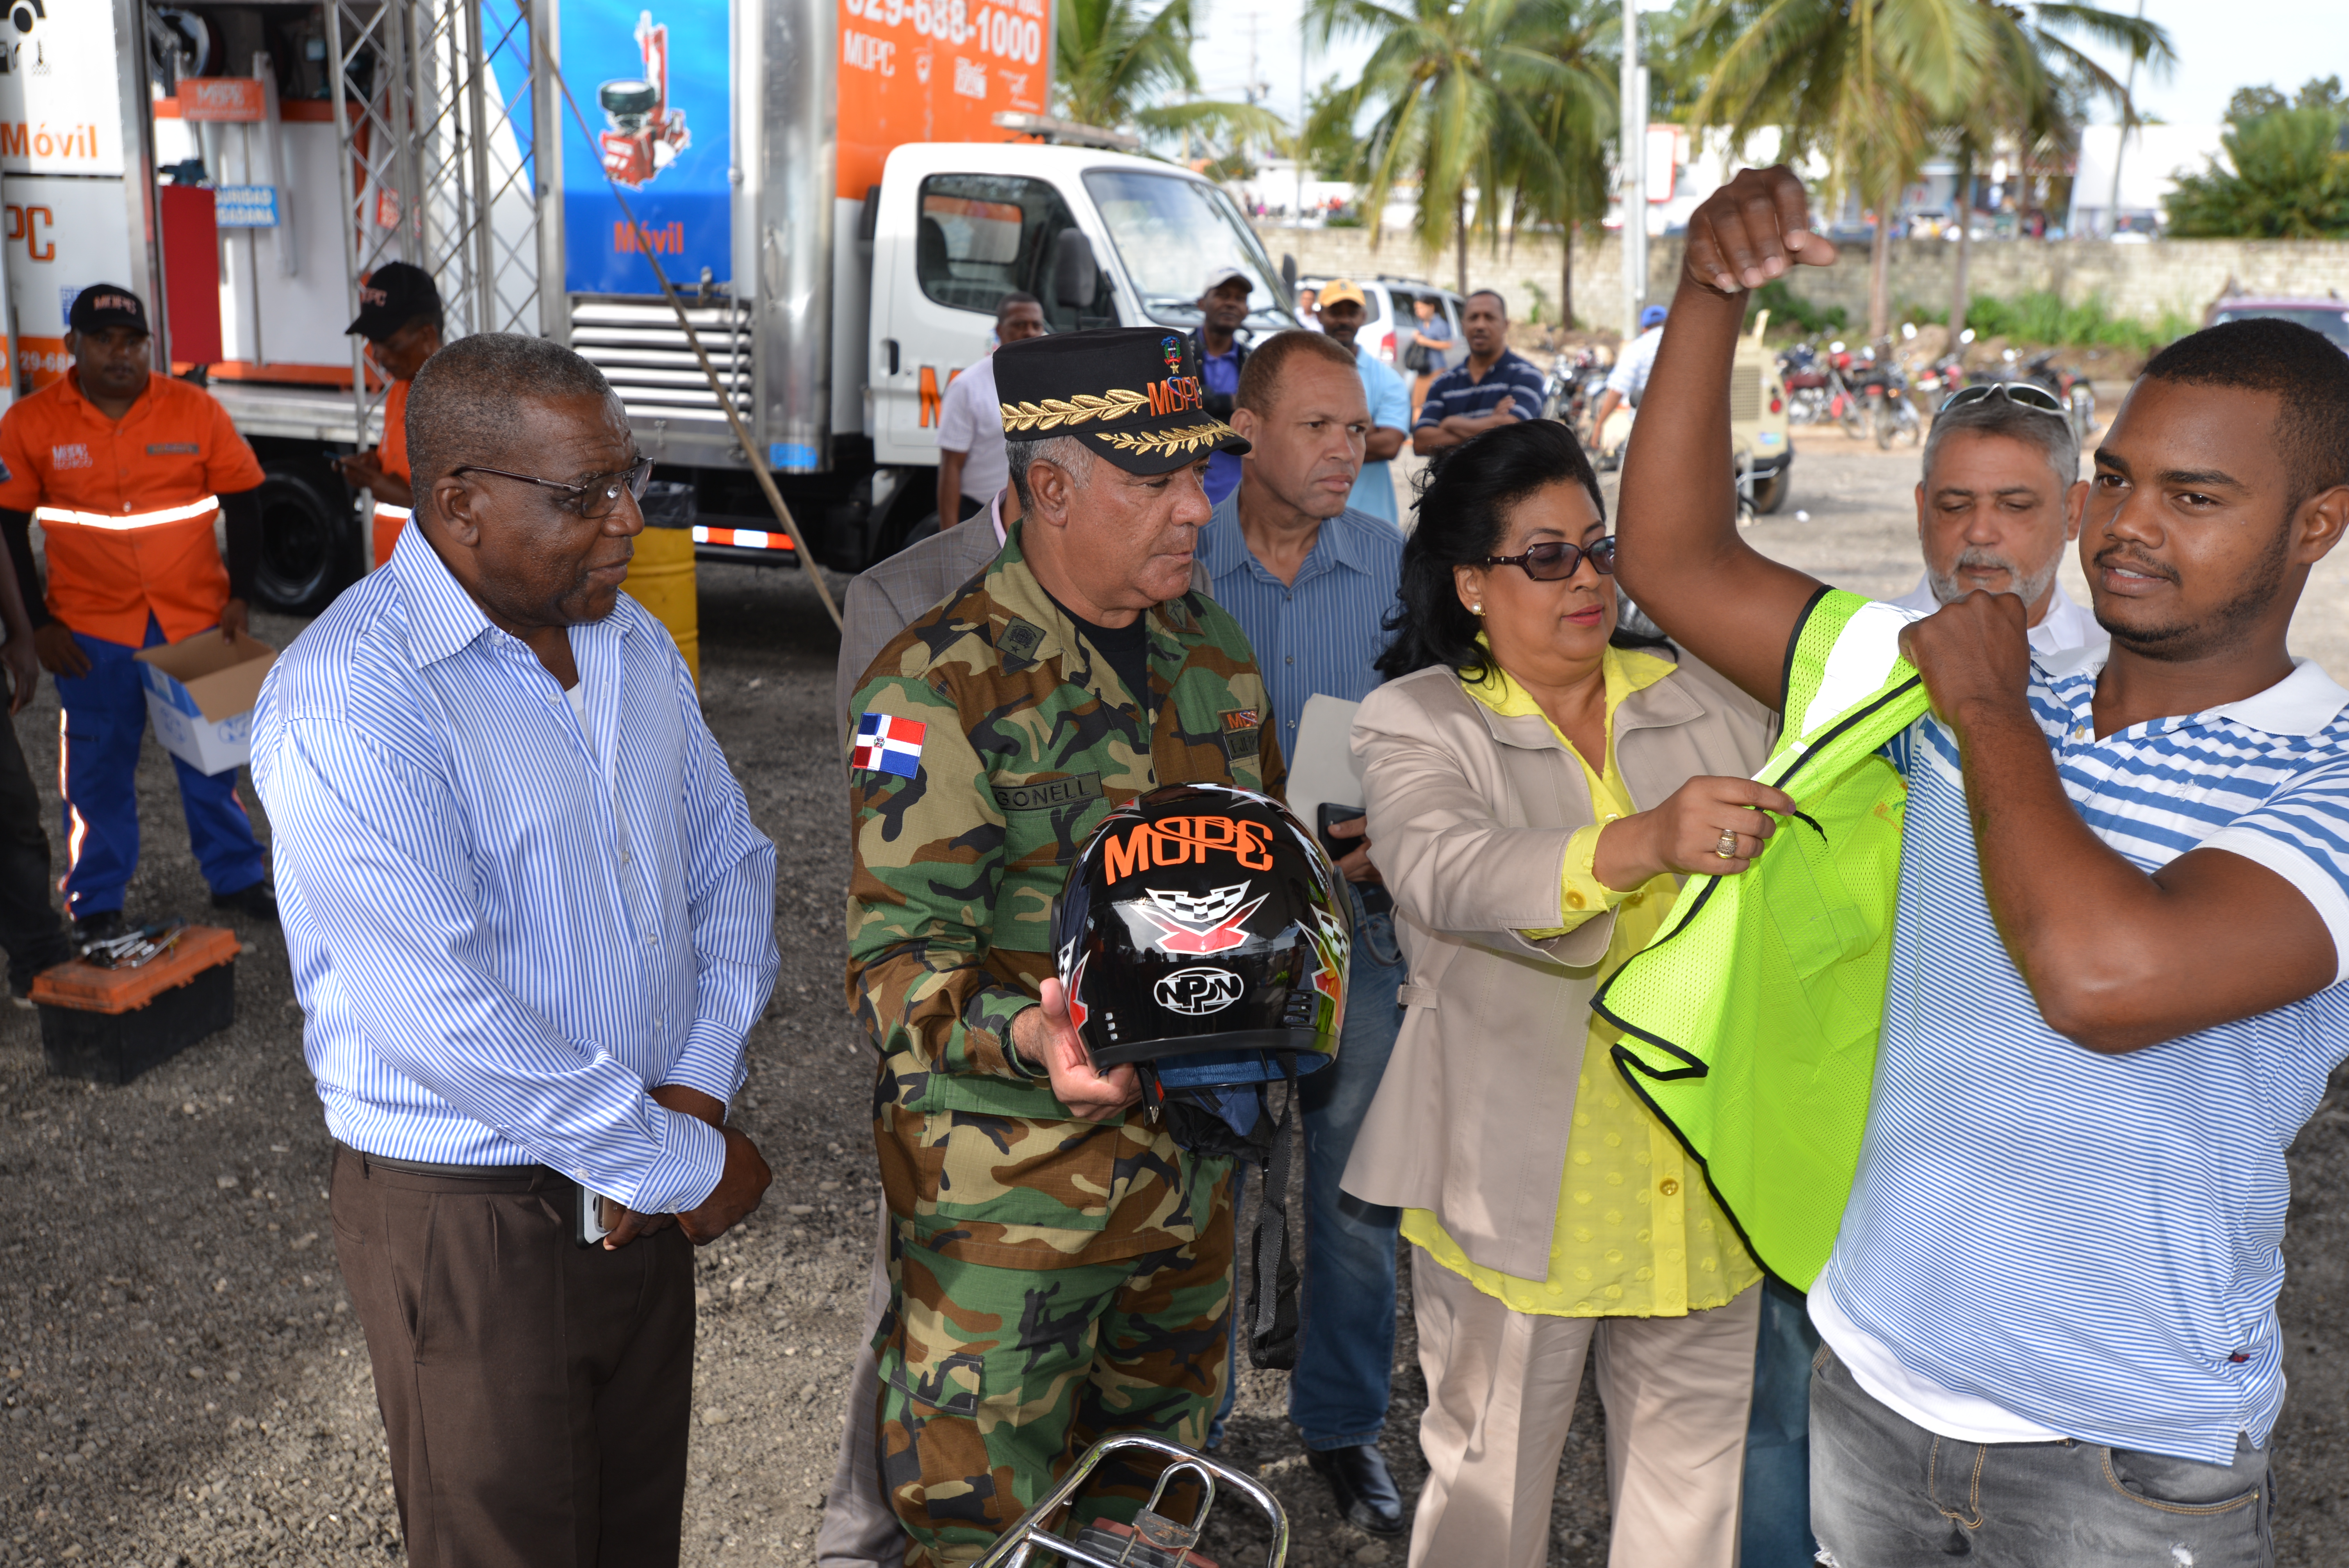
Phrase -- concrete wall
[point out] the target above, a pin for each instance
(2139, 281)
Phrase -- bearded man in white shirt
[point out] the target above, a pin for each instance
(2001, 501)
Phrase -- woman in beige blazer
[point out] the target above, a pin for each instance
(1534, 792)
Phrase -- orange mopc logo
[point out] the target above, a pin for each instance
(1186, 840)
(1174, 395)
(931, 395)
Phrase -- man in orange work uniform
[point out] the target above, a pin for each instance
(127, 471)
(400, 316)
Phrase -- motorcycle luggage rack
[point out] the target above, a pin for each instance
(1156, 1539)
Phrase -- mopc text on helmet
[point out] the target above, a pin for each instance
(1187, 840)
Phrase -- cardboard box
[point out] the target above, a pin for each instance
(200, 694)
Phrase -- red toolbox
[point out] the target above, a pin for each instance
(112, 1025)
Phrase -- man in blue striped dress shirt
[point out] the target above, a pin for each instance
(2115, 992)
(1311, 581)
(530, 924)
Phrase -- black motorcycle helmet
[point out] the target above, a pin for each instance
(1203, 935)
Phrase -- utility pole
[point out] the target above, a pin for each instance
(2120, 136)
(1634, 141)
(1302, 112)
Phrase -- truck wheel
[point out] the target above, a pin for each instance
(307, 534)
(1770, 494)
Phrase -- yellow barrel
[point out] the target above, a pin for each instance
(661, 578)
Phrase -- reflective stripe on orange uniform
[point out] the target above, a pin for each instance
(392, 457)
(127, 509)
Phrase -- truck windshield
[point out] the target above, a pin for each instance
(1171, 232)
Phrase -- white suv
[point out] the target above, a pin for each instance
(1388, 329)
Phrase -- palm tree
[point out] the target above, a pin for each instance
(1467, 96)
(1873, 84)
(2042, 86)
(1866, 82)
(1561, 176)
(1114, 63)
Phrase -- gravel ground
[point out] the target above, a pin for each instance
(185, 1385)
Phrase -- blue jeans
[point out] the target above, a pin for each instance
(1887, 1493)
(105, 724)
(1775, 1530)
(1345, 1354)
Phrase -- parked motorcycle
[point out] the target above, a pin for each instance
(1805, 373)
(1570, 392)
(1892, 412)
(2073, 391)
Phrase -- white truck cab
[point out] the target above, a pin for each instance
(1102, 239)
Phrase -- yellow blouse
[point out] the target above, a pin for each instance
(1638, 1233)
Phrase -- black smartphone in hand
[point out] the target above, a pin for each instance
(1374, 895)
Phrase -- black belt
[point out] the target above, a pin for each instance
(458, 1172)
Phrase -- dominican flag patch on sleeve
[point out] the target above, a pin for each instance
(887, 744)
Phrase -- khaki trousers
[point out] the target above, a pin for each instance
(1500, 1397)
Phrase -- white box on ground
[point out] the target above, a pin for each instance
(200, 695)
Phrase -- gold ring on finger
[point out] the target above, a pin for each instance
(1727, 849)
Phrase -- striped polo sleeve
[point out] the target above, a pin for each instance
(2302, 834)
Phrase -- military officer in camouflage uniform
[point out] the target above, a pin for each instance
(1058, 1268)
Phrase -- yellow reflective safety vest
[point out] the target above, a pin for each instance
(1750, 1020)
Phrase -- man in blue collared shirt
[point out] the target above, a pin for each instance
(1342, 310)
(1312, 582)
(530, 924)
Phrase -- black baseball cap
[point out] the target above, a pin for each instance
(394, 294)
(102, 306)
(1133, 394)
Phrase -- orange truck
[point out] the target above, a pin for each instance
(842, 190)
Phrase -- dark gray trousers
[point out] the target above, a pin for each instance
(1887, 1493)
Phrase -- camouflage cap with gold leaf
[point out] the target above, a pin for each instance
(1131, 394)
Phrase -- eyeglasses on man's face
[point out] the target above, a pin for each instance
(595, 498)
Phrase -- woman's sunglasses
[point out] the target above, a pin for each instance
(1555, 560)
(2021, 394)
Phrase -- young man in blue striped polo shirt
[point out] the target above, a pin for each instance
(2124, 916)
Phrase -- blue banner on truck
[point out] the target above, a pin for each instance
(654, 88)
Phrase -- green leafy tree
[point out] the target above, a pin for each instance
(1560, 176)
(1463, 98)
(1876, 85)
(2248, 104)
(1118, 64)
(2285, 179)
(2040, 90)
(1327, 141)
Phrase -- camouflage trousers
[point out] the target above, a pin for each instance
(993, 1380)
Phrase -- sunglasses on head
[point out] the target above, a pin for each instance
(2021, 394)
(1554, 560)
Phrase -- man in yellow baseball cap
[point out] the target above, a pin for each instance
(1342, 309)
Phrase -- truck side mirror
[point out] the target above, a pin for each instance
(1076, 277)
(1289, 273)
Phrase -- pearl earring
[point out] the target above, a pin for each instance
(1476, 609)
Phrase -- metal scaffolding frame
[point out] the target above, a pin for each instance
(433, 171)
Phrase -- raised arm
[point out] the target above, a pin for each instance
(1680, 557)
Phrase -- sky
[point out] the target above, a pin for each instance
(2220, 49)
